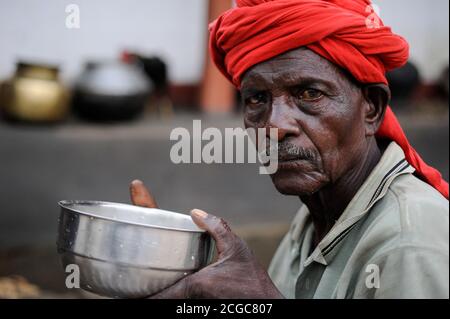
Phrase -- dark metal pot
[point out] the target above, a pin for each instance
(110, 91)
(403, 81)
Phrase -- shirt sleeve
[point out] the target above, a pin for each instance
(405, 272)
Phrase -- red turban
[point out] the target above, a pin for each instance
(345, 32)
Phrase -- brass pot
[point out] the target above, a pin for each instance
(34, 94)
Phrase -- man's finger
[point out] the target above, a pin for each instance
(140, 196)
(217, 228)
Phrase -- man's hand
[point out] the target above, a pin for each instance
(235, 274)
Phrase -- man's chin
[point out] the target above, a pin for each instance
(297, 185)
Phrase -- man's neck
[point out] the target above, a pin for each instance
(328, 204)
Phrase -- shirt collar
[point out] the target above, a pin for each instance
(391, 165)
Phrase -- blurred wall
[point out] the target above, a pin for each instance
(424, 24)
(36, 30)
(175, 29)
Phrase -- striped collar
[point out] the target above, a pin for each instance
(391, 165)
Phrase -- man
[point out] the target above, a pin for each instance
(374, 223)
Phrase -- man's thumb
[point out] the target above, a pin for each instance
(217, 228)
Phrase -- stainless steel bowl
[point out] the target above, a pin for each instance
(126, 251)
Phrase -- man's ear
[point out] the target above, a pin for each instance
(377, 97)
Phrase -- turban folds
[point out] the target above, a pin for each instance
(346, 32)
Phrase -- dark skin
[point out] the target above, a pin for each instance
(326, 132)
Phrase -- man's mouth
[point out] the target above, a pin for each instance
(293, 162)
(298, 163)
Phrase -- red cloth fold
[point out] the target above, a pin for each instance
(345, 32)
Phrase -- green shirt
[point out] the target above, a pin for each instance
(390, 242)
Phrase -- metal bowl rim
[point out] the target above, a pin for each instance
(65, 204)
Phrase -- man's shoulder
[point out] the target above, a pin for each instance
(412, 213)
(405, 235)
(408, 189)
(422, 210)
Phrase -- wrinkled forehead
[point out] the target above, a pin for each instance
(292, 67)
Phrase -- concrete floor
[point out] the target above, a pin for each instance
(41, 165)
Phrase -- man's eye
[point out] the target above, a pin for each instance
(310, 95)
(256, 99)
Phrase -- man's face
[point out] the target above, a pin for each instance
(317, 111)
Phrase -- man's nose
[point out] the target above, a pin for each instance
(282, 118)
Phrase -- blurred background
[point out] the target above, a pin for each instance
(90, 91)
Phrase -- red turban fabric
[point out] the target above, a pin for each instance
(345, 32)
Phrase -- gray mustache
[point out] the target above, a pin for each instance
(289, 151)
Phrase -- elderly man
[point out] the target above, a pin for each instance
(374, 223)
